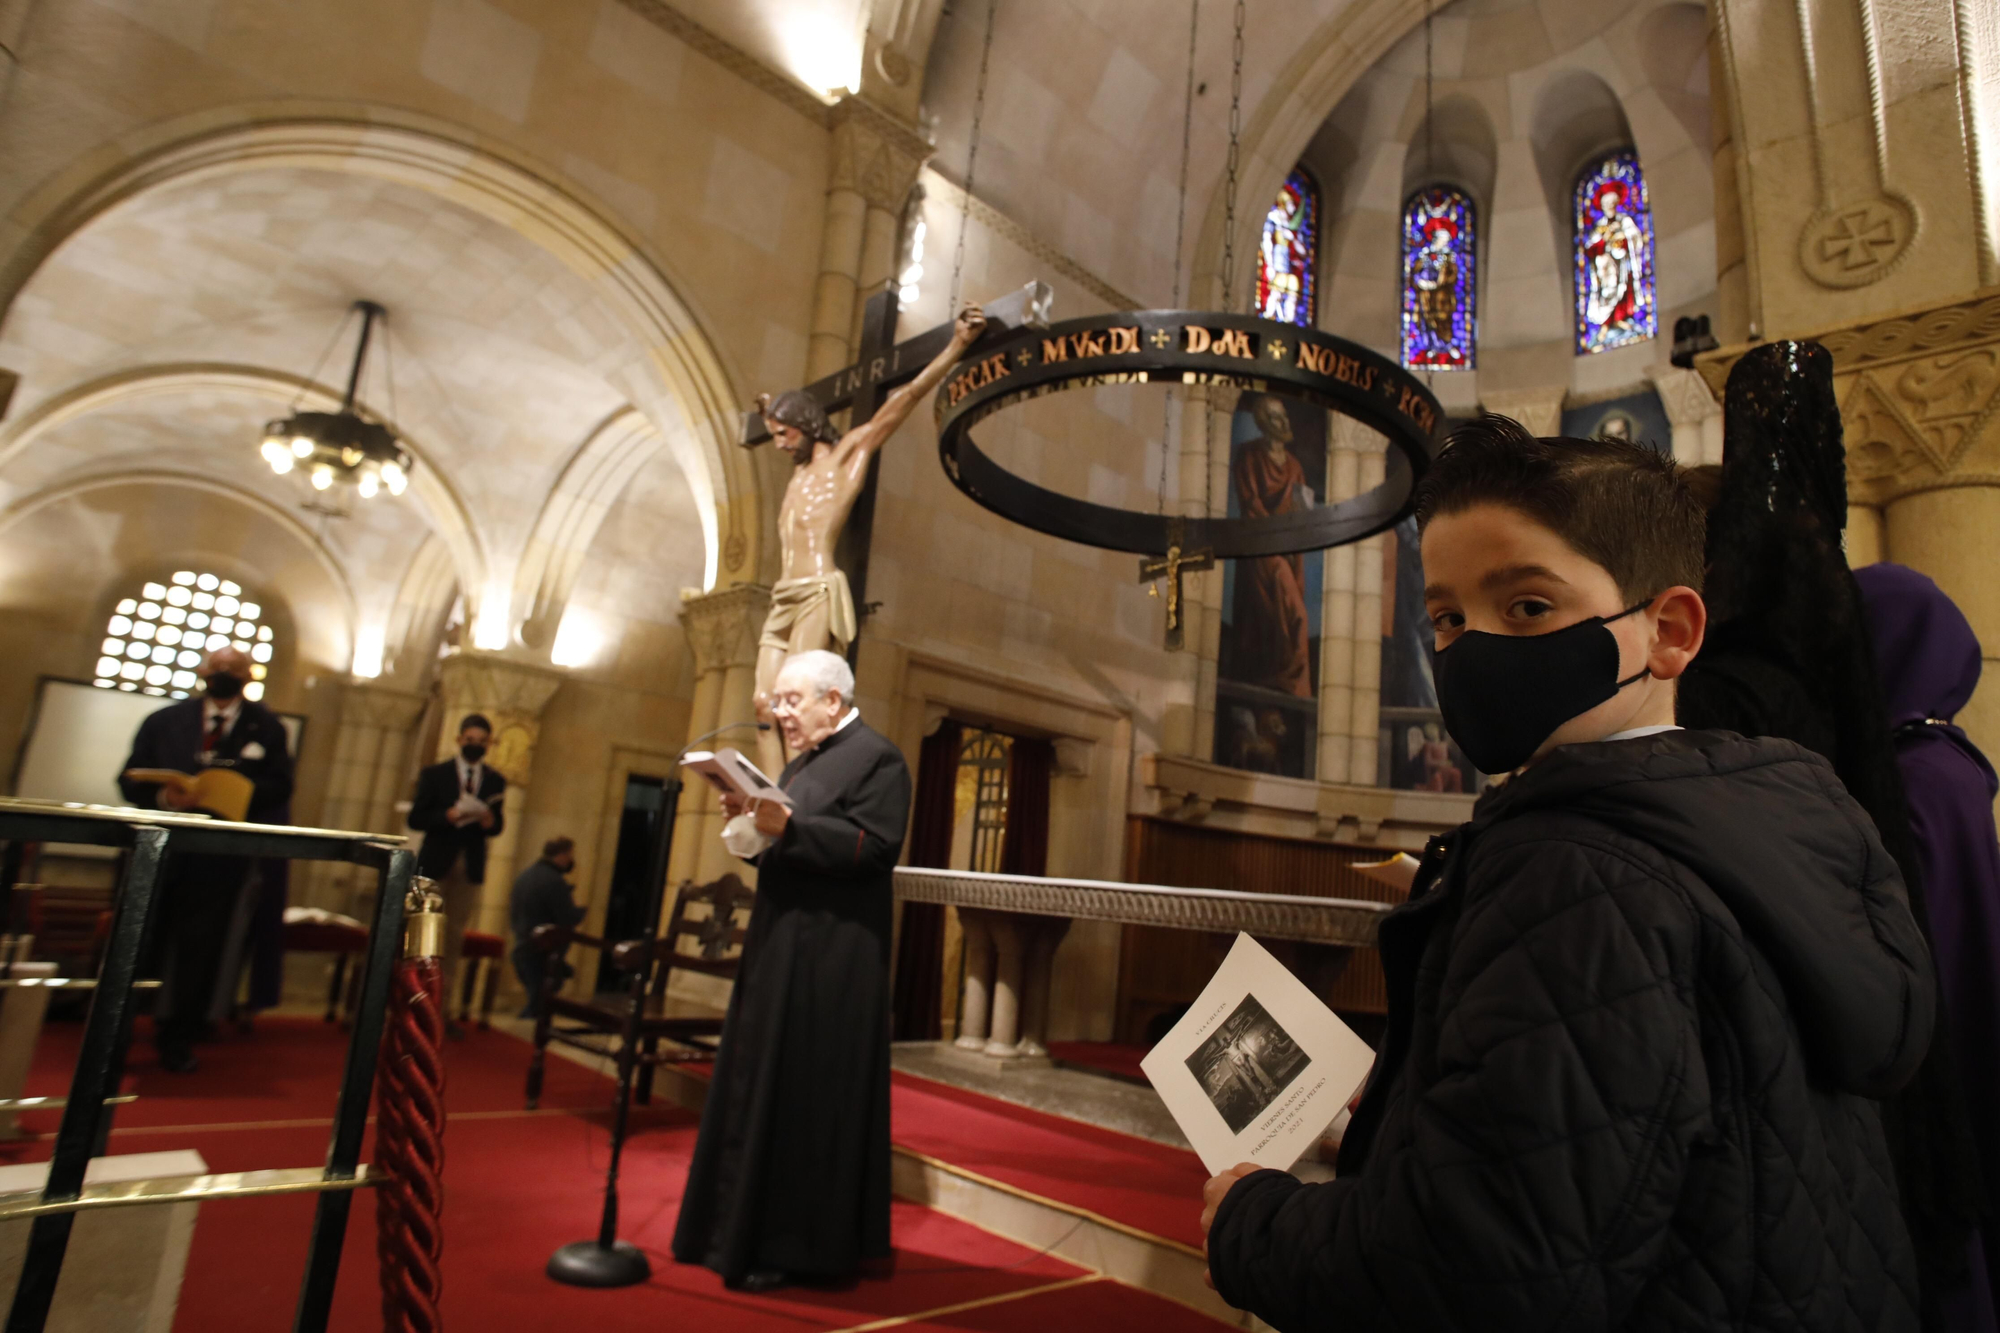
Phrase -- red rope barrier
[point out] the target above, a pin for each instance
(409, 1148)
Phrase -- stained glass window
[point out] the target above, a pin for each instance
(157, 637)
(1286, 256)
(1614, 256)
(1439, 323)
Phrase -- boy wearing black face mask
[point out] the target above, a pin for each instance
(457, 806)
(1639, 1003)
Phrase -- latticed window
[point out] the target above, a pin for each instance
(1288, 251)
(155, 640)
(1614, 256)
(1439, 287)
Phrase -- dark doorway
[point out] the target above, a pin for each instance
(625, 910)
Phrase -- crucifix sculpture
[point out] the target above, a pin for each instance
(1170, 567)
(828, 508)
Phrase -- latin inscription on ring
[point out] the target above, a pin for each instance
(1188, 347)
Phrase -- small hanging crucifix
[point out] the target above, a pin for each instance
(1170, 567)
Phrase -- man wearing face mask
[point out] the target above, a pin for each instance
(790, 1179)
(457, 808)
(1642, 1005)
(218, 729)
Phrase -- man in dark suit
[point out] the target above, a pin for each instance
(790, 1180)
(220, 729)
(542, 897)
(457, 808)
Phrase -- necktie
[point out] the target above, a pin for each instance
(213, 741)
(470, 790)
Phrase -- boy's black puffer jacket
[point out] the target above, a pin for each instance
(1638, 1007)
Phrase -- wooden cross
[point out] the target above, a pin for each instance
(881, 365)
(1170, 567)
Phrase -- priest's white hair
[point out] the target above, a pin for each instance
(828, 672)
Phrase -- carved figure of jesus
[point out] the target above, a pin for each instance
(811, 606)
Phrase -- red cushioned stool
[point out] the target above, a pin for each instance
(481, 951)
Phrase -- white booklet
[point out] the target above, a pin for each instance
(728, 771)
(1258, 1067)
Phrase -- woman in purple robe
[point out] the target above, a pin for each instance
(1929, 661)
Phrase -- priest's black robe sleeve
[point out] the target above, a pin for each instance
(860, 835)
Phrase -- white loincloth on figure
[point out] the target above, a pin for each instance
(791, 599)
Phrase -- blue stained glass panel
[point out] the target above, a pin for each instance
(1614, 256)
(1285, 256)
(1439, 319)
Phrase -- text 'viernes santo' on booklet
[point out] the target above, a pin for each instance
(1258, 1066)
(728, 771)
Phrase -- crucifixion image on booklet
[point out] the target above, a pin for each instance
(728, 771)
(1258, 1066)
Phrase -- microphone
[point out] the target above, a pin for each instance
(722, 730)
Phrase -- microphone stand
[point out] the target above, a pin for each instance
(606, 1261)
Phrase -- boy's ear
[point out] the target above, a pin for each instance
(1680, 623)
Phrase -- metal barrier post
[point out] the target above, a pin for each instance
(105, 1034)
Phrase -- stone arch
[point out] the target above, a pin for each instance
(331, 642)
(683, 386)
(429, 487)
(591, 483)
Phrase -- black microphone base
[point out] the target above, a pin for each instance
(588, 1264)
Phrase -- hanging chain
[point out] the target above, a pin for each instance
(971, 164)
(1235, 142)
(1430, 103)
(1228, 248)
(1167, 432)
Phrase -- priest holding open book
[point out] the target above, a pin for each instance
(790, 1181)
(224, 755)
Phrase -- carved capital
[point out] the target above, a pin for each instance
(1540, 410)
(723, 626)
(1919, 394)
(511, 694)
(874, 154)
(366, 705)
(1684, 395)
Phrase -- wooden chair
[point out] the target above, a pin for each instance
(70, 924)
(705, 934)
(480, 950)
(344, 938)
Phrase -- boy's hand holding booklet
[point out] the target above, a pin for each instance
(1258, 1066)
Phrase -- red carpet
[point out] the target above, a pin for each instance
(1144, 1185)
(520, 1184)
(1106, 1057)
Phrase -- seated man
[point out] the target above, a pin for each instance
(541, 896)
(790, 1180)
(1641, 1005)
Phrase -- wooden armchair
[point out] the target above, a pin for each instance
(705, 934)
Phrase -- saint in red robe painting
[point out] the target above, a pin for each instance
(1272, 632)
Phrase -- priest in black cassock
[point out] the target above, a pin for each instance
(790, 1181)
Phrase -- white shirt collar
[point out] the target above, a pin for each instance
(1636, 732)
(228, 710)
(853, 715)
(465, 767)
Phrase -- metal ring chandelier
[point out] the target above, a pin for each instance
(1188, 347)
(341, 446)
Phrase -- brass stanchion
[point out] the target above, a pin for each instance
(409, 1133)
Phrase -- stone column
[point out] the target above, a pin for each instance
(875, 160)
(1044, 935)
(722, 629)
(1350, 635)
(373, 768)
(1695, 414)
(1920, 404)
(511, 695)
(975, 1010)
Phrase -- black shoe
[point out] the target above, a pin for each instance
(178, 1058)
(763, 1280)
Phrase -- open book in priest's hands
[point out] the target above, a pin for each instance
(1258, 1066)
(729, 772)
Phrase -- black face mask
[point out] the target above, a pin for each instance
(1503, 694)
(472, 754)
(222, 685)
